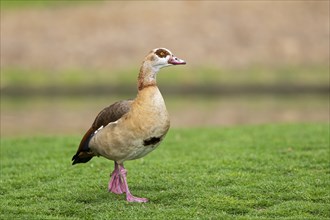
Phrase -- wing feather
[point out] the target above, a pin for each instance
(109, 114)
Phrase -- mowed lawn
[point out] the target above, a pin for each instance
(247, 172)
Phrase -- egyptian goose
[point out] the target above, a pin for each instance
(130, 129)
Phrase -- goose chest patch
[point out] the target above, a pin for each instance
(151, 141)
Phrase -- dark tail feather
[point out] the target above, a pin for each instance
(82, 157)
(84, 154)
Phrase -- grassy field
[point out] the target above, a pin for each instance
(247, 172)
(201, 76)
(21, 4)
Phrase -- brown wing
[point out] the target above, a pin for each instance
(111, 113)
(107, 115)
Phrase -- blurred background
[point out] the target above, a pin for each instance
(248, 62)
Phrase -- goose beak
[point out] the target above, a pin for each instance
(176, 61)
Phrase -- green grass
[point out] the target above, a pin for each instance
(188, 76)
(23, 4)
(248, 172)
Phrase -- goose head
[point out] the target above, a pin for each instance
(162, 57)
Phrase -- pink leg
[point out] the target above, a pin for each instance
(118, 184)
(115, 184)
(129, 196)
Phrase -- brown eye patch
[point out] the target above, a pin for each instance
(162, 53)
